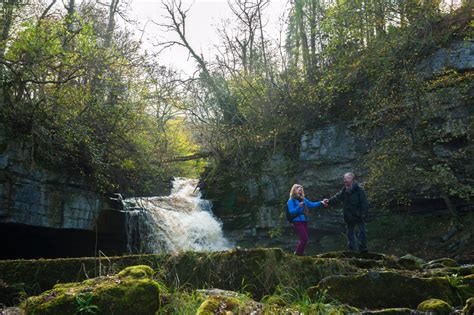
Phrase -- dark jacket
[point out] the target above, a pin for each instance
(354, 201)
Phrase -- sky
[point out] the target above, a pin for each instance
(203, 18)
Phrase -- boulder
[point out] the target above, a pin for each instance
(411, 262)
(435, 306)
(390, 311)
(375, 290)
(440, 263)
(132, 291)
(228, 305)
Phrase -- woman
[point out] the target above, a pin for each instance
(298, 206)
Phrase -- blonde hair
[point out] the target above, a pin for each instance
(350, 174)
(293, 191)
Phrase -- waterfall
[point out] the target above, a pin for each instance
(180, 221)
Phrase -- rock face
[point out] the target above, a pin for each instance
(250, 207)
(326, 154)
(44, 212)
(33, 195)
(458, 56)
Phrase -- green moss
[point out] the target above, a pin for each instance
(364, 260)
(435, 306)
(41, 274)
(385, 289)
(253, 272)
(131, 292)
(347, 254)
(180, 302)
(389, 311)
(219, 305)
(469, 307)
(257, 271)
(137, 272)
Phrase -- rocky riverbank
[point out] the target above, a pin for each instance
(257, 281)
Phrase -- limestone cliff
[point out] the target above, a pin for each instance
(45, 212)
(251, 207)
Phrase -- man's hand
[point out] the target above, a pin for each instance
(326, 202)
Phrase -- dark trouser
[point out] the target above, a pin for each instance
(356, 240)
(301, 228)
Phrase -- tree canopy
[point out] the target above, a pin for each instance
(79, 87)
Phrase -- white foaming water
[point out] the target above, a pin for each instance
(180, 221)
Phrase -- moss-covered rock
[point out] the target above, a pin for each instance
(259, 270)
(348, 277)
(235, 303)
(411, 262)
(348, 254)
(469, 307)
(227, 305)
(435, 306)
(130, 292)
(448, 271)
(39, 275)
(440, 263)
(218, 292)
(136, 272)
(364, 260)
(391, 311)
(376, 290)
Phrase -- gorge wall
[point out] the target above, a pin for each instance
(250, 208)
(45, 212)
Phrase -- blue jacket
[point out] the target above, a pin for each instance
(294, 208)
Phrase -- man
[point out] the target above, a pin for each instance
(355, 205)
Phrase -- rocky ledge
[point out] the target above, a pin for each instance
(256, 281)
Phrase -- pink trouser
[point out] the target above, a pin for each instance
(301, 228)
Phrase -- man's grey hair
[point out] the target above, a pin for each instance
(350, 174)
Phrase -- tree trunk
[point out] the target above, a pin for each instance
(7, 20)
(304, 38)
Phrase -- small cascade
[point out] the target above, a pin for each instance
(180, 221)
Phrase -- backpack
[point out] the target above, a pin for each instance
(290, 216)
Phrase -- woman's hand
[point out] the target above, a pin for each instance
(301, 203)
